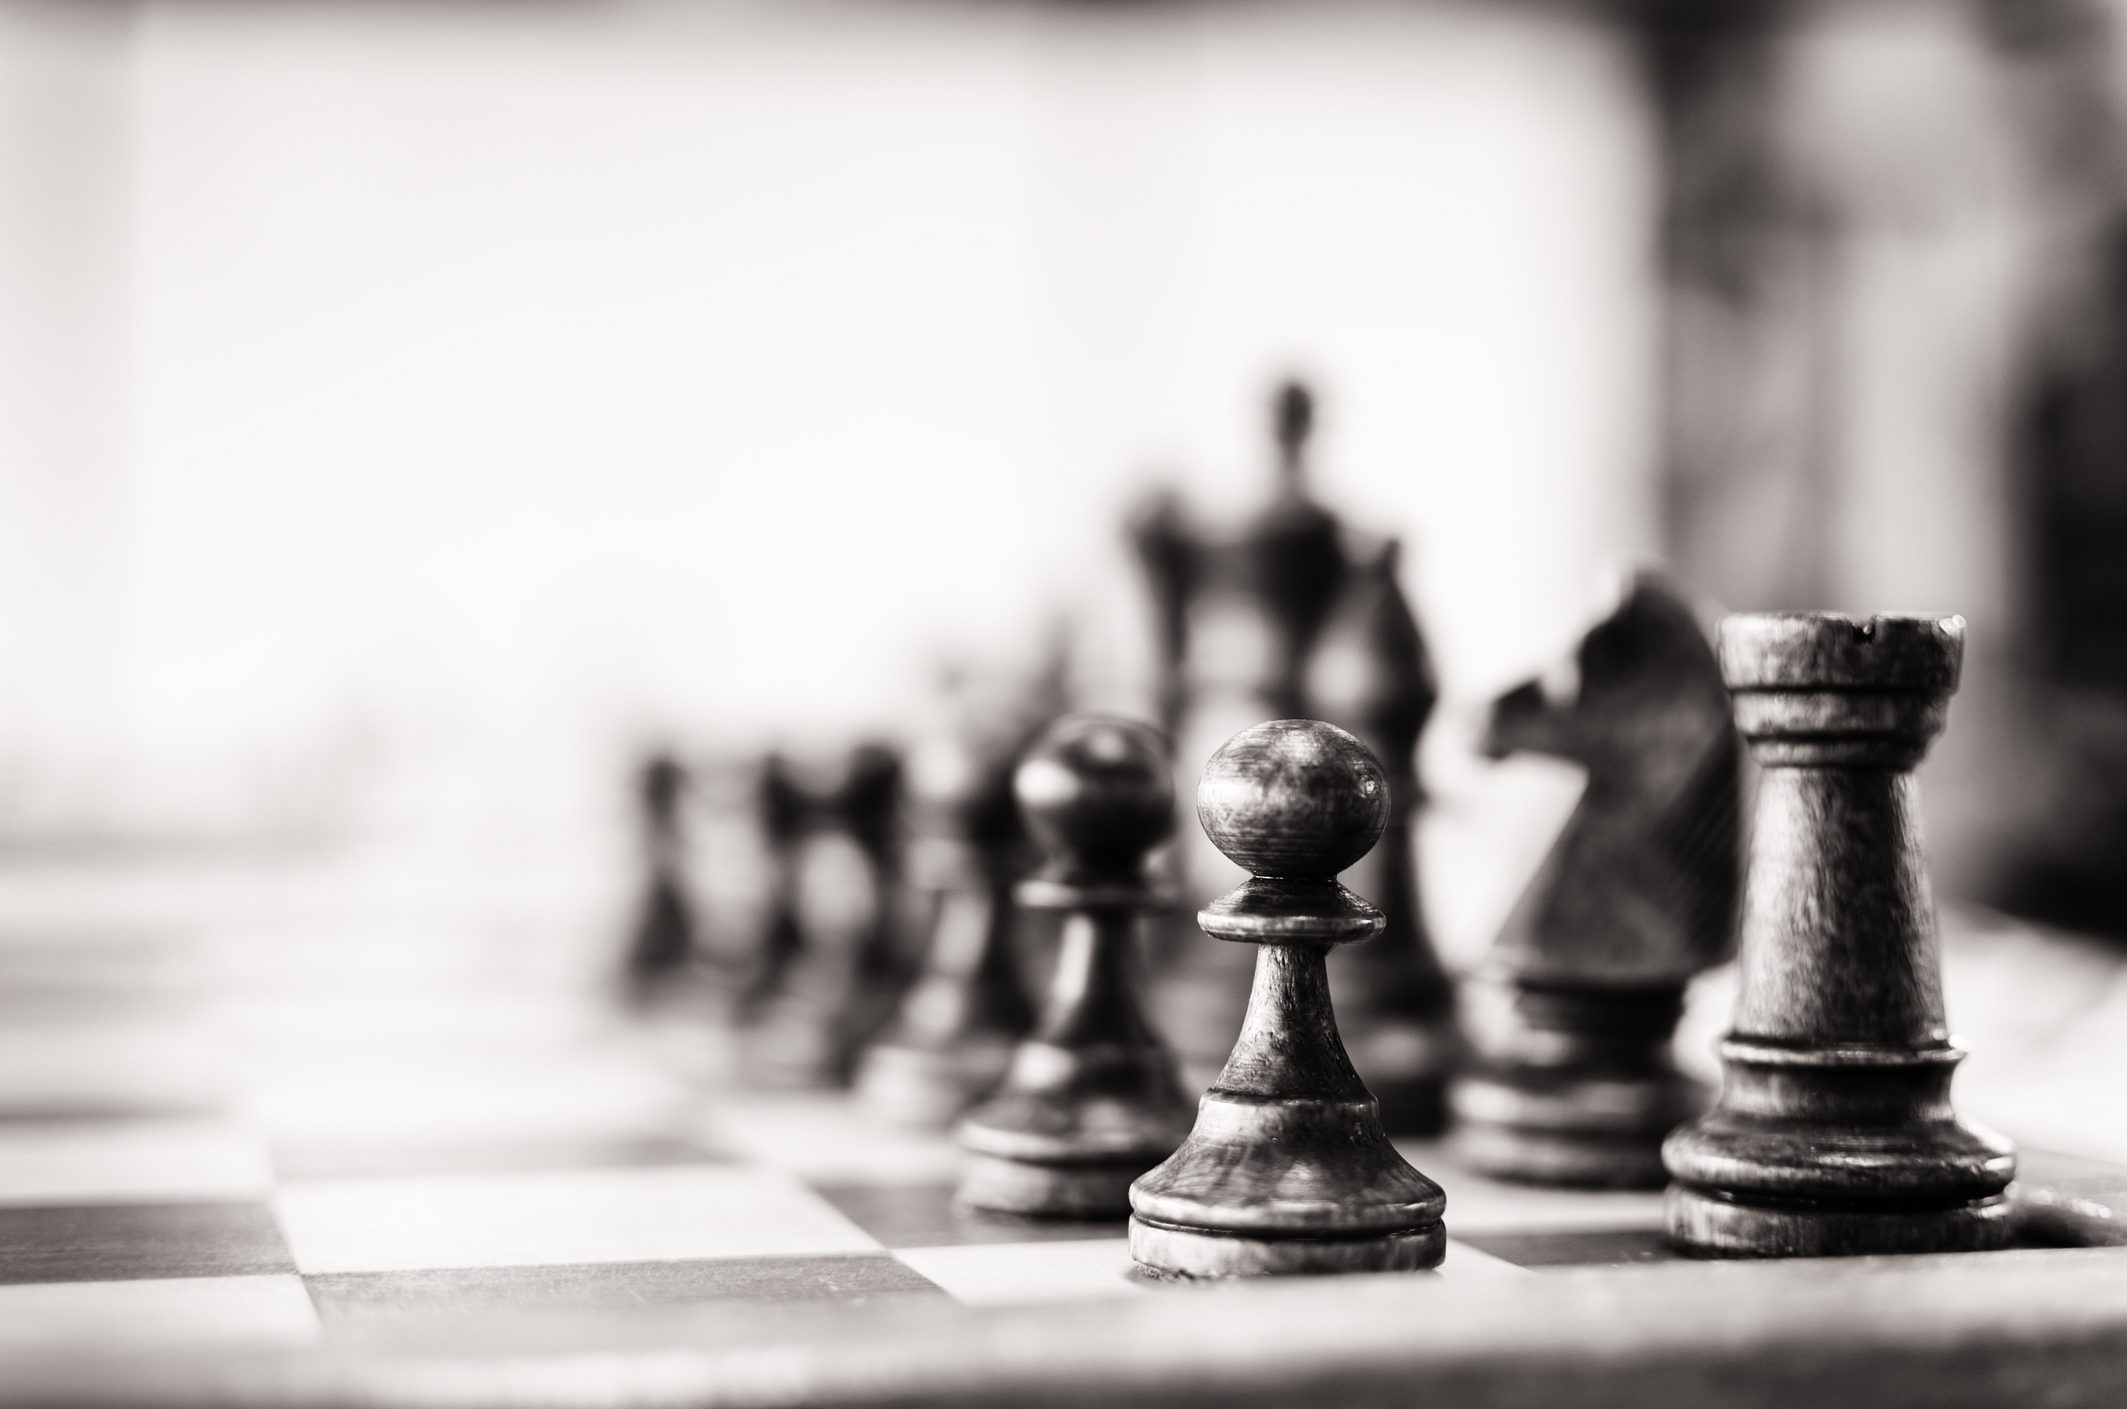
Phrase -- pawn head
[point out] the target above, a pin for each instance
(1097, 793)
(1294, 799)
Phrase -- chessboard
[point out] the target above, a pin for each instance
(270, 1135)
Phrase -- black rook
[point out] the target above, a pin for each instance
(1834, 1133)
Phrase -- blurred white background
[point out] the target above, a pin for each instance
(430, 400)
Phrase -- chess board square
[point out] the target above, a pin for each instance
(70, 1162)
(1566, 1247)
(64, 1069)
(1469, 1262)
(1477, 1204)
(824, 1139)
(352, 1298)
(193, 1313)
(429, 1095)
(925, 1215)
(1030, 1274)
(124, 1242)
(308, 1160)
(579, 1216)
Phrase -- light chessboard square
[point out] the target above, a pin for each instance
(1030, 1274)
(582, 1216)
(144, 1161)
(194, 1313)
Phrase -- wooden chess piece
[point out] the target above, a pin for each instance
(871, 807)
(1167, 552)
(1574, 1009)
(1372, 674)
(780, 809)
(952, 1037)
(1091, 1100)
(1834, 1133)
(663, 938)
(807, 1031)
(1288, 1169)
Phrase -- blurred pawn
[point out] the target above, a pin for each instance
(781, 808)
(841, 856)
(952, 1035)
(1092, 1100)
(663, 936)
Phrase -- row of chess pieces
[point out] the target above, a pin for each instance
(1833, 1132)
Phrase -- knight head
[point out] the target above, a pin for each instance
(1641, 886)
(1640, 690)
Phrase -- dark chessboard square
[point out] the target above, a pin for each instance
(1596, 1247)
(126, 1242)
(352, 1297)
(925, 1216)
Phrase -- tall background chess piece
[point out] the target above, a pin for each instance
(1575, 1007)
(1288, 1169)
(1091, 1099)
(1372, 675)
(1834, 1133)
(1262, 592)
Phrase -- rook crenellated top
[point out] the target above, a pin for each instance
(1825, 689)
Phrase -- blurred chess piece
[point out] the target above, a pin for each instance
(1373, 676)
(1574, 1009)
(1091, 1100)
(1169, 555)
(951, 1038)
(843, 866)
(1264, 591)
(780, 810)
(663, 937)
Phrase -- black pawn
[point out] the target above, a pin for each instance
(784, 812)
(952, 1036)
(1373, 675)
(1834, 1133)
(1091, 1100)
(663, 937)
(1288, 1169)
(807, 1032)
(1575, 1008)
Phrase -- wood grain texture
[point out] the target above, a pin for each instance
(1942, 1332)
(1835, 1133)
(1579, 997)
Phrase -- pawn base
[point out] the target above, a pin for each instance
(1165, 1250)
(1027, 1189)
(1715, 1226)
